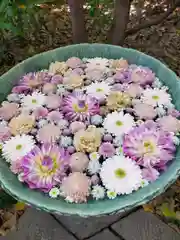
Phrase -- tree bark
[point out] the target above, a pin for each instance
(120, 21)
(78, 21)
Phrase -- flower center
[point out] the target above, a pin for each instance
(119, 123)
(80, 107)
(34, 101)
(120, 173)
(149, 147)
(48, 165)
(99, 90)
(155, 97)
(19, 147)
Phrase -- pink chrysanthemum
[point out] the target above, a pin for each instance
(107, 150)
(79, 107)
(149, 146)
(44, 168)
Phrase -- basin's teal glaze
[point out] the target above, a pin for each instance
(10, 182)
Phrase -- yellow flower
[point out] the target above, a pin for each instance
(22, 6)
(87, 140)
(58, 67)
(22, 124)
(118, 100)
(119, 64)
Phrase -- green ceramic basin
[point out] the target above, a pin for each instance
(36, 199)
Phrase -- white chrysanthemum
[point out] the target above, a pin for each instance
(93, 166)
(156, 97)
(118, 123)
(17, 147)
(33, 101)
(111, 194)
(98, 192)
(54, 192)
(99, 62)
(94, 156)
(121, 175)
(98, 90)
(157, 83)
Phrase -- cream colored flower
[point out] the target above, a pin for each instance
(87, 140)
(73, 81)
(58, 67)
(118, 100)
(22, 124)
(119, 64)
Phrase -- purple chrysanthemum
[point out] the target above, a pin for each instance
(32, 80)
(44, 168)
(79, 107)
(141, 75)
(149, 146)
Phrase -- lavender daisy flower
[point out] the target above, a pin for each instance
(149, 146)
(44, 168)
(79, 107)
(107, 150)
(142, 75)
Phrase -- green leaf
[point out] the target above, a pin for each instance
(167, 211)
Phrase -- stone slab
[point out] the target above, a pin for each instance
(37, 225)
(105, 235)
(142, 225)
(85, 227)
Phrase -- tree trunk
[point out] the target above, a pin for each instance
(121, 18)
(78, 21)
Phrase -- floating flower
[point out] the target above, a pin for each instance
(65, 141)
(63, 123)
(94, 74)
(54, 192)
(53, 101)
(49, 133)
(134, 90)
(95, 179)
(98, 90)
(122, 76)
(107, 138)
(148, 146)
(76, 186)
(5, 133)
(119, 64)
(150, 174)
(78, 162)
(98, 192)
(13, 97)
(17, 147)
(118, 141)
(156, 97)
(44, 167)
(54, 116)
(97, 62)
(49, 88)
(119, 151)
(74, 62)
(94, 156)
(118, 100)
(157, 83)
(57, 79)
(169, 124)
(40, 112)
(33, 101)
(60, 89)
(73, 81)
(96, 120)
(144, 111)
(41, 123)
(58, 67)
(118, 123)
(76, 126)
(160, 111)
(87, 140)
(106, 150)
(34, 80)
(9, 110)
(22, 124)
(111, 194)
(94, 167)
(120, 175)
(142, 75)
(79, 107)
